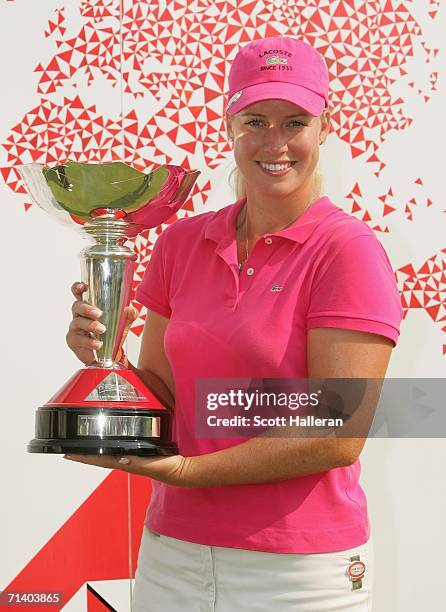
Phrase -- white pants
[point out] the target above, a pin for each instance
(178, 576)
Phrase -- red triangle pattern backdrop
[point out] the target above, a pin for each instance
(177, 51)
(367, 45)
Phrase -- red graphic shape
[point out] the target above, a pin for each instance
(93, 543)
(57, 25)
(425, 288)
(96, 603)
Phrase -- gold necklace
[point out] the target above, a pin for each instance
(245, 224)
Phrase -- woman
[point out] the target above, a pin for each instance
(281, 284)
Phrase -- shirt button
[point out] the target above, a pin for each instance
(250, 271)
(268, 240)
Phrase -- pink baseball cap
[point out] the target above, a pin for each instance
(278, 68)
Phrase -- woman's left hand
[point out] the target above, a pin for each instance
(171, 470)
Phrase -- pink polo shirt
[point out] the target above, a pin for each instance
(333, 272)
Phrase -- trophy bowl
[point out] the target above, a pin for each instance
(106, 408)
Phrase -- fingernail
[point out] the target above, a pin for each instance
(97, 344)
(96, 312)
(124, 460)
(100, 329)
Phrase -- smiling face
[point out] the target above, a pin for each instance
(276, 147)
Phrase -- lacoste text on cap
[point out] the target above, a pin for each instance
(279, 68)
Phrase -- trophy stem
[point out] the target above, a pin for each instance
(107, 268)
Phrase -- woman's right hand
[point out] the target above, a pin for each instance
(84, 323)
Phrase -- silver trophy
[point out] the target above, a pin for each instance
(105, 408)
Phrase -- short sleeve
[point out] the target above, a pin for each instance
(357, 290)
(153, 291)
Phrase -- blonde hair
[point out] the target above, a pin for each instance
(238, 184)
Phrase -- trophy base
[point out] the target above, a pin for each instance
(102, 431)
(103, 411)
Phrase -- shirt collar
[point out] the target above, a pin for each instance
(221, 228)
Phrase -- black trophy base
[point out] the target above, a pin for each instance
(105, 447)
(103, 431)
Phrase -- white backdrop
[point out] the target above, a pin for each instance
(144, 60)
